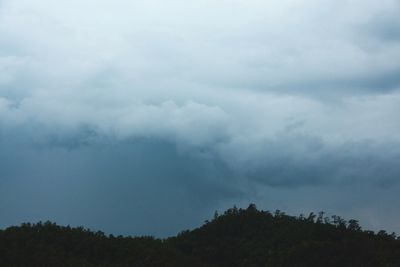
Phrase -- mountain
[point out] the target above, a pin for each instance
(238, 237)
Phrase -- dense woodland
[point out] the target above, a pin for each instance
(238, 237)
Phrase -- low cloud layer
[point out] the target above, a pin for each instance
(144, 104)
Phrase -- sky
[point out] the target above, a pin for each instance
(144, 117)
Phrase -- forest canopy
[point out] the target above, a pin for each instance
(237, 237)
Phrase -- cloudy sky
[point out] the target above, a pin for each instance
(145, 116)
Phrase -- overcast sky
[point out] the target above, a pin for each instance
(143, 117)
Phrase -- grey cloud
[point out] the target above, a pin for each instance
(385, 26)
(350, 163)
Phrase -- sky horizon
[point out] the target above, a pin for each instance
(144, 117)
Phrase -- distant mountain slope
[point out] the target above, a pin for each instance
(239, 237)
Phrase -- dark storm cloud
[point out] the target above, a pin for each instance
(97, 185)
(97, 182)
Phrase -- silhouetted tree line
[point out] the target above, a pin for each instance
(238, 237)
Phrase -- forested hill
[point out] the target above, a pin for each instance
(238, 237)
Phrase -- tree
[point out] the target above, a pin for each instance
(311, 217)
(353, 225)
(216, 215)
(252, 208)
(320, 218)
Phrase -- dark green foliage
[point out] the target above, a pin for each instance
(239, 237)
(50, 245)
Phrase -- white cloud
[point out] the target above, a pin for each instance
(228, 74)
